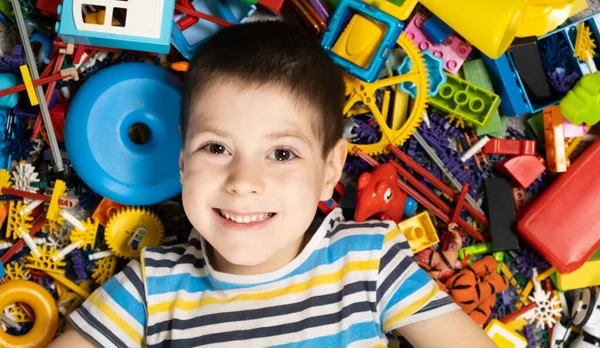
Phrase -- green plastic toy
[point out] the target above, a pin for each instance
(582, 102)
(468, 101)
(476, 72)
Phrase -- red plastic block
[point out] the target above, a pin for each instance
(563, 224)
(273, 5)
(522, 170)
(509, 147)
(48, 7)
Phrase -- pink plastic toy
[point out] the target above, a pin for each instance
(571, 130)
(453, 51)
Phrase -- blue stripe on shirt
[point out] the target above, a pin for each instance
(323, 256)
(411, 285)
(124, 299)
(356, 332)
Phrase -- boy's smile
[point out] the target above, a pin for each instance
(253, 174)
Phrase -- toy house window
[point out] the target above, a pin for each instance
(119, 16)
(93, 14)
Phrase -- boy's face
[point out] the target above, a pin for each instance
(253, 174)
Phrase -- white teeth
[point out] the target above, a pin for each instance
(245, 219)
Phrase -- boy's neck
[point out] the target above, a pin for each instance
(220, 264)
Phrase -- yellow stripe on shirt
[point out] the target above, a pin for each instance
(410, 309)
(115, 318)
(393, 233)
(294, 288)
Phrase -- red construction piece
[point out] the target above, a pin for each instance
(563, 224)
(510, 147)
(48, 7)
(460, 202)
(423, 200)
(522, 170)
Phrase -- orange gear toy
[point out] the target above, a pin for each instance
(474, 288)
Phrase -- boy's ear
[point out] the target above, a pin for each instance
(181, 166)
(334, 164)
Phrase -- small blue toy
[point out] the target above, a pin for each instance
(122, 136)
(188, 41)
(507, 84)
(435, 70)
(437, 30)
(145, 26)
(342, 12)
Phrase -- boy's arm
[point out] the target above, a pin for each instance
(72, 338)
(450, 330)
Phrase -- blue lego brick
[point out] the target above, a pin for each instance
(507, 85)
(147, 26)
(437, 30)
(5, 158)
(188, 41)
(345, 9)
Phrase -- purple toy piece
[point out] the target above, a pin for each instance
(561, 82)
(12, 63)
(78, 264)
(317, 5)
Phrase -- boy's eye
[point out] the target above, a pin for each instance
(216, 149)
(282, 155)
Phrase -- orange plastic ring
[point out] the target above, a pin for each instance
(41, 302)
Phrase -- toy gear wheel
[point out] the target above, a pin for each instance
(16, 220)
(17, 271)
(104, 270)
(23, 175)
(363, 92)
(131, 229)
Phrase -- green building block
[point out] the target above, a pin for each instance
(536, 122)
(468, 101)
(476, 73)
(582, 102)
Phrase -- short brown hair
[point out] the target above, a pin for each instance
(271, 53)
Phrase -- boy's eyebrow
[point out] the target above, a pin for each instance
(288, 134)
(209, 129)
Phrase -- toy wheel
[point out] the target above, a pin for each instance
(363, 99)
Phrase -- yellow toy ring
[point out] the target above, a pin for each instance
(44, 306)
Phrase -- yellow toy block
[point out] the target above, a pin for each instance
(359, 40)
(29, 85)
(503, 336)
(586, 275)
(517, 324)
(419, 232)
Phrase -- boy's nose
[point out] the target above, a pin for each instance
(245, 180)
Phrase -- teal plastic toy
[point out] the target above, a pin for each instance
(582, 102)
(435, 71)
(471, 103)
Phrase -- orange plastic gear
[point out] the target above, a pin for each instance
(363, 92)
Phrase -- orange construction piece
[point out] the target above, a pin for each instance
(556, 155)
(105, 210)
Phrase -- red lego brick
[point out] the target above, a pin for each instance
(563, 224)
(522, 170)
(509, 147)
(48, 7)
(273, 5)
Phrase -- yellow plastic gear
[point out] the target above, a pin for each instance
(584, 44)
(18, 314)
(60, 189)
(17, 271)
(104, 270)
(4, 179)
(16, 220)
(53, 226)
(45, 262)
(124, 223)
(363, 92)
(87, 237)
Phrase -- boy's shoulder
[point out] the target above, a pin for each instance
(185, 257)
(341, 228)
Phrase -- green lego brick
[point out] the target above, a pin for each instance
(476, 73)
(500, 132)
(468, 101)
(536, 122)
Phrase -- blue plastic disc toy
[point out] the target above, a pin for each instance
(122, 136)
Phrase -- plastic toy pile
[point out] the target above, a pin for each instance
(478, 123)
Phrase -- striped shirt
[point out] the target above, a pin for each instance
(352, 283)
